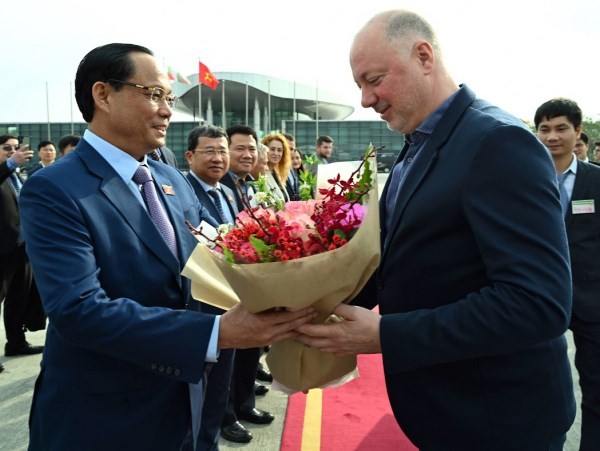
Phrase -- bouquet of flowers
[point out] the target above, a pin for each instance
(311, 252)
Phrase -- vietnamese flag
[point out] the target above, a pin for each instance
(206, 77)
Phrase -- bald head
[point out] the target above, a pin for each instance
(400, 28)
(396, 62)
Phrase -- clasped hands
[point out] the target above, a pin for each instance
(358, 333)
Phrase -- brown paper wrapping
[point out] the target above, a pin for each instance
(322, 280)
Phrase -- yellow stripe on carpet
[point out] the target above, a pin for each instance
(311, 432)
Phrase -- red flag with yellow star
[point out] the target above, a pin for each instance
(206, 77)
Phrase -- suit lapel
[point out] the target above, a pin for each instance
(203, 198)
(231, 203)
(128, 205)
(425, 159)
(580, 189)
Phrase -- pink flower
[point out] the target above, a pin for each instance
(302, 206)
(297, 219)
(355, 214)
(266, 215)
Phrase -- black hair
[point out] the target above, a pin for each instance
(208, 131)
(559, 107)
(241, 130)
(110, 61)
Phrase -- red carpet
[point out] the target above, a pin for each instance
(355, 416)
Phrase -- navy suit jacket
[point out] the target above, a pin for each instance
(474, 288)
(583, 231)
(207, 201)
(125, 338)
(9, 213)
(229, 181)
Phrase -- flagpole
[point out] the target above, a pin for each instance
(246, 104)
(268, 130)
(48, 112)
(199, 101)
(223, 112)
(294, 111)
(317, 108)
(199, 94)
(71, 97)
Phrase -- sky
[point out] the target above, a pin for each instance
(514, 53)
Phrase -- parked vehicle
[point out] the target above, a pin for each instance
(385, 161)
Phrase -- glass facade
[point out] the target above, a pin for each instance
(351, 138)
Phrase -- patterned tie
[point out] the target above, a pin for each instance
(155, 155)
(214, 193)
(143, 177)
(564, 197)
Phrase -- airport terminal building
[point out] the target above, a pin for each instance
(266, 103)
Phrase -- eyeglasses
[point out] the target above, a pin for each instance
(157, 95)
(244, 149)
(211, 152)
(9, 147)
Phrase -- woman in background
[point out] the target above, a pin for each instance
(280, 160)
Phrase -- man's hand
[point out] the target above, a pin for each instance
(22, 155)
(357, 334)
(241, 329)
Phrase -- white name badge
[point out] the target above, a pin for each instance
(579, 207)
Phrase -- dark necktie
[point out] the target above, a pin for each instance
(143, 177)
(155, 155)
(564, 196)
(16, 183)
(214, 193)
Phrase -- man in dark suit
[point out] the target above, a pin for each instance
(165, 155)
(582, 147)
(559, 123)
(243, 155)
(46, 153)
(67, 143)
(126, 346)
(473, 285)
(208, 158)
(17, 287)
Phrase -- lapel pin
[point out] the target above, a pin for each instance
(168, 190)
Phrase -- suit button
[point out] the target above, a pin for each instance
(161, 368)
(154, 366)
(169, 370)
(177, 372)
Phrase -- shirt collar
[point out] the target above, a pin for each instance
(427, 127)
(123, 163)
(573, 166)
(205, 185)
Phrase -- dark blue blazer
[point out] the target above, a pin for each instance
(207, 201)
(583, 231)
(124, 338)
(474, 288)
(9, 212)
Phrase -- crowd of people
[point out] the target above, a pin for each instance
(489, 253)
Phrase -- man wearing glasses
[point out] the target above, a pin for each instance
(127, 346)
(16, 283)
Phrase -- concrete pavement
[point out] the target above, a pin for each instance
(18, 378)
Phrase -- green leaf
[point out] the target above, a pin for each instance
(263, 250)
(228, 254)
